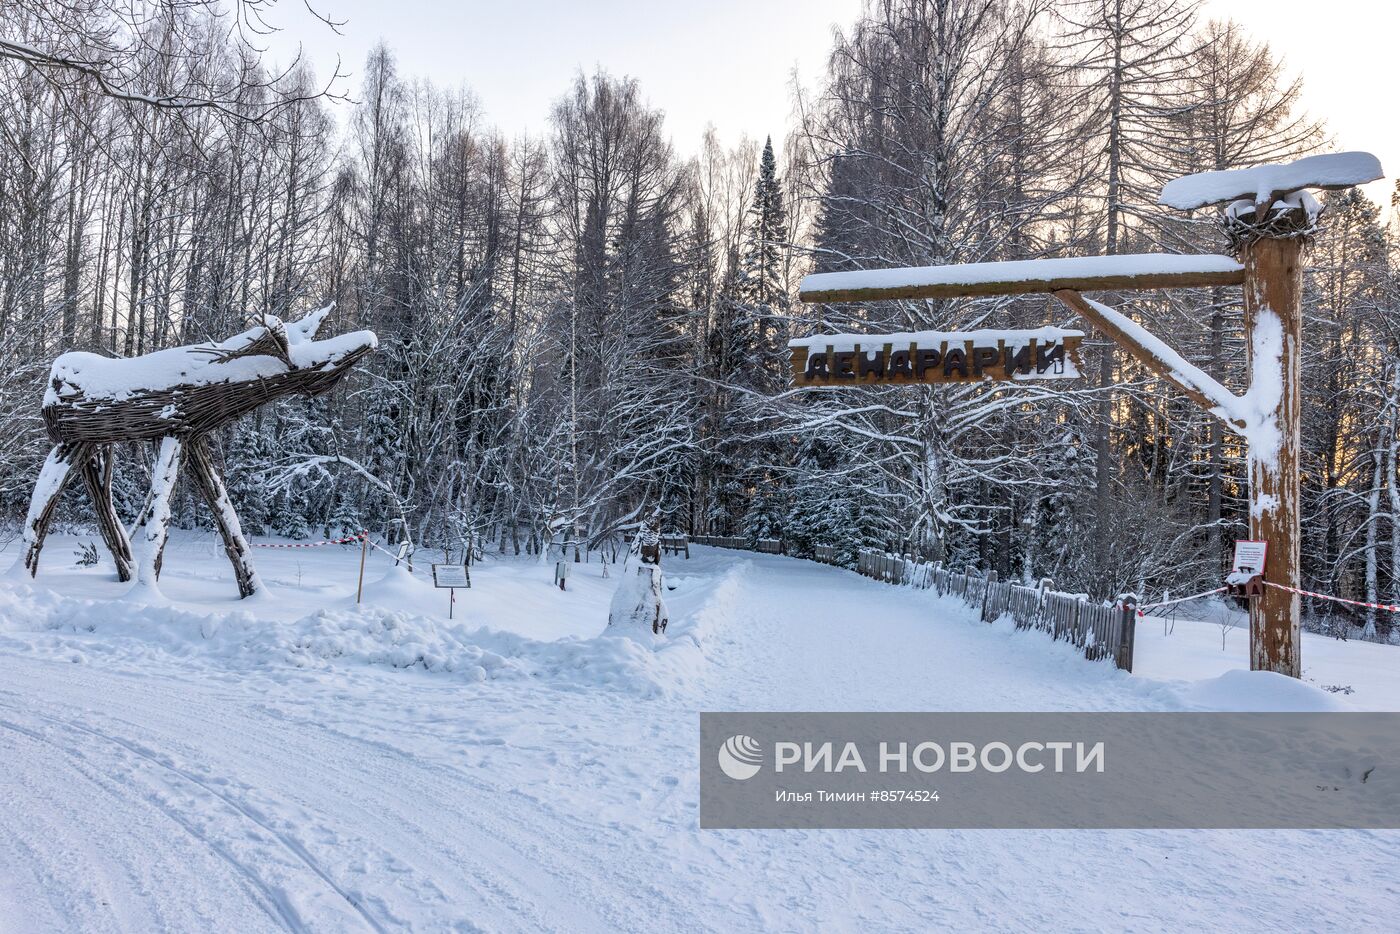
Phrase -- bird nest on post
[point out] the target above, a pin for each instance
(176, 396)
(1292, 217)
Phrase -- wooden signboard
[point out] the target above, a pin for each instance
(451, 575)
(935, 357)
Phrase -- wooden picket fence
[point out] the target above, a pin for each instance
(770, 546)
(675, 543)
(721, 541)
(1097, 630)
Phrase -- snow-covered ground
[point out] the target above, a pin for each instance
(298, 763)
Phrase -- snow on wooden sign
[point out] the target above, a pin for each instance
(1265, 184)
(935, 357)
(1022, 277)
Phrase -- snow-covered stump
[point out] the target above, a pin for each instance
(638, 609)
(157, 527)
(1273, 320)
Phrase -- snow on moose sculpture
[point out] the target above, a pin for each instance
(637, 609)
(175, 396)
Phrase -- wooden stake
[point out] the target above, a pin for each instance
(1273, 290)
(364, 549)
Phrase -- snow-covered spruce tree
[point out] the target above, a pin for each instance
(345, 517)
(288, 511)
(767, 507)
(756, 347)
(825, 508)
(762, 287)
(249, 453)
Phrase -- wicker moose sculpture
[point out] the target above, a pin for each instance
(176, 396)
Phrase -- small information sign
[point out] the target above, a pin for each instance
(1249, 556)
(451, 575)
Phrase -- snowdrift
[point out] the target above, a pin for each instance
(371, 635)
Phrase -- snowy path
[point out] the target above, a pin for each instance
(146, 790)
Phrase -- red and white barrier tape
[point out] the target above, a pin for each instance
(1194, 596)
(336, 541)
(1322, 596)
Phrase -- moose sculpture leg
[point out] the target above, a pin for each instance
(212, 487)
(97, 475)
(52, 479)
(157, 527)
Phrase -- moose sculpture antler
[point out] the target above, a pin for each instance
(177, 396)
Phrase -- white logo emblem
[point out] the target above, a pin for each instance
(741, 757)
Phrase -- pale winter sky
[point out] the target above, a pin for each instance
(730, 62)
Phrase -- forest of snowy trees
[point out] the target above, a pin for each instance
(581, 328)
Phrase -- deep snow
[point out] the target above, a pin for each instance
(299, 763)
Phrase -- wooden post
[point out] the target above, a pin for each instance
(1273, 332)
(1273, 319)
(987, 594)
(364, 550)
(1127, 636)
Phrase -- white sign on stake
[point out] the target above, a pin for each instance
(451, 575)
(1249, 556)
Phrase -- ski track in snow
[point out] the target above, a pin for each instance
(150, 791)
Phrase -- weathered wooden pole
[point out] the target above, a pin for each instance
(1273, 320)
(364, 550)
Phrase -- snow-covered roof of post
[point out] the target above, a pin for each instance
(1021, 277)
(1264, 184)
